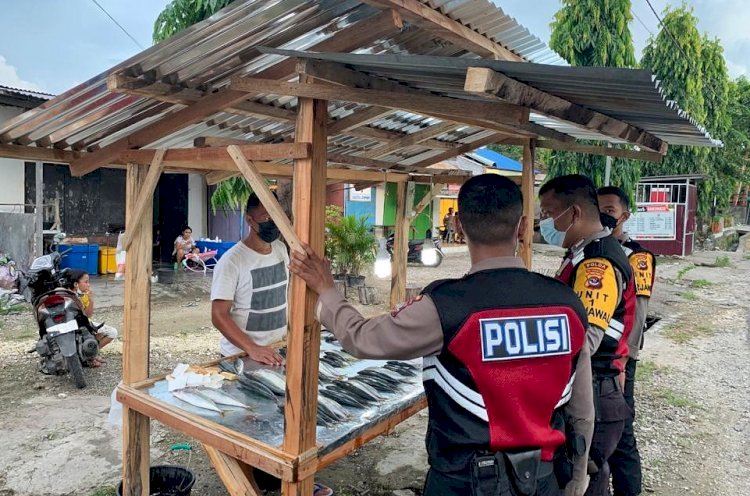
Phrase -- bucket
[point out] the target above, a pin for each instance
(107, 260)
(168, 480)
(166, 276)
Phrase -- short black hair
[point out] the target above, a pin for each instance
(574, 189)
(618, 192)
(490, 208)
(73, 276)
(253, 202)
(186, 227)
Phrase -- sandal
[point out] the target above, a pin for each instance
(321, 490)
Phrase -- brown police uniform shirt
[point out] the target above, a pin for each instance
(415, 331)
(642, 298)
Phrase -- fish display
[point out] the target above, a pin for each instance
(219, 397)
(272, 380)
(377, 382)
(386, 375)
(328, 373)
(196, 400)
(332, 409)
(401, 368)
(342, 397)
(333, 360)
(255, 387)
(357, 390)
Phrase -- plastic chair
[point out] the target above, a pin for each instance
(200, 262)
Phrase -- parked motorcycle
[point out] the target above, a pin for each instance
(416, 246)
(66, 336)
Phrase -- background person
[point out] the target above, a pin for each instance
(625, 463)
(184, 244)
(598, 271)
(491, 402)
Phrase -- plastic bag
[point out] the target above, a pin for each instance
(115, 411)
(120, 256)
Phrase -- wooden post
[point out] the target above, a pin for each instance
(400, 247)
(527, 188)
(137, 316)
(39, 211)
(303, 342)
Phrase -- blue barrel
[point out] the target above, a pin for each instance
(84, 257)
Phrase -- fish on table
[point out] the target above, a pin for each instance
(272, 380)
(220, 397)
(196, 400)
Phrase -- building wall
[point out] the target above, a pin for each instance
(421, 223)
(18, 237)
(12, 172)
(197, 205)
(360, 208)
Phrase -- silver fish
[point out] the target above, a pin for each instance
(220, 397)
(384, 374)
(332, 408)
(255, 387)
(375, 382)
(195, 400)
(366, 388)
(325, 371)
(342, 397)
(273, 380)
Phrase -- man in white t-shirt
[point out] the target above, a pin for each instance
(249, 290)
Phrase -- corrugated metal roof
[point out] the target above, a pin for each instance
(630, 95)
(9, 90)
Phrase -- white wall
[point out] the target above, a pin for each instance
(11, 171)
(197, 205)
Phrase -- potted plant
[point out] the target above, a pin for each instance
(717, 224)
(353, 247)
(334, 214)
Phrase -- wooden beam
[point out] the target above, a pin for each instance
(236, 478)
(356, 119)
(206, 106)
(269, 201)
(136, 328)
(410, 139)
(35, 153)
(145, 197)
(489, 82)
(527, 190)
(303, 343)
(218, 176)
(400, 246)
(458, 150)
(360, 161)
(217, 157)
(425, 200)
(408, 99)
(433, 21)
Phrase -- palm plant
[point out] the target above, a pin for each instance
(352, 244)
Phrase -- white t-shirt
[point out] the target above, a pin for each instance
(256, 284)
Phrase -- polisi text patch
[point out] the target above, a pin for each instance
(511, 338)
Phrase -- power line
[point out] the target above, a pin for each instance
(118, 24)
(643, 24)
(664, 27)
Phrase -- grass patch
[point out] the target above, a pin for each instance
(700, 283)
(689, 295)
(105, 491)
(722, 261)
(675, 399)
(684, 333)
(646, 370)
(684, 271)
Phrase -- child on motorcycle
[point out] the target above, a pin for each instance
(78, 281)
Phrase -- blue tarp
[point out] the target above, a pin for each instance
(498, 160)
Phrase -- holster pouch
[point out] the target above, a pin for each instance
(489, 476)
(523, 468)
(566, 455)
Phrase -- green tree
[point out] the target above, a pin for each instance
(176, 16)
(594, 33)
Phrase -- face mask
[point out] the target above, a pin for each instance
(268, 232)
(608, 221)
(550, 233)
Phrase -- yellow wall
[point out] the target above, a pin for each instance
(445, 203)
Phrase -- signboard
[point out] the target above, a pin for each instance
(360, 196)
(653, 221)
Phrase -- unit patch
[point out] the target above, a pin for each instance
(596, 286)
(511, 338)
(643, 270)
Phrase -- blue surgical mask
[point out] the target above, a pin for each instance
(550, 233)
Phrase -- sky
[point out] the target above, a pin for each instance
(53, 45)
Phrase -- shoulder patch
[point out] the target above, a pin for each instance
(596, 286)
(643, 270)
(411, 301)
(512, 338)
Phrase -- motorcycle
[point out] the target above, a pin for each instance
(416, 246)
(66, 336)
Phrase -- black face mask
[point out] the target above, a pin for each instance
(268, 232)
(607, 220)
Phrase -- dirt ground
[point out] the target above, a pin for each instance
(693, 407)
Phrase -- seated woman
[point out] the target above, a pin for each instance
(78, 281)
(184, 244)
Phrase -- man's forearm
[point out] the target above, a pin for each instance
(230, 330)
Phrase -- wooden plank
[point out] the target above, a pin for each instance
(218, 176)
(232, 473)
(458, 150)
(34, 153)
(210, 155)
(527, 189)
(400, 247)
(356, 119)
(431, 20)
(209, 104)
(303, 348)
(489, 82)
(135, 354)
(380, 428)
(410, 139)
(269, 201)
(404, 99)
(244, 448)
(360, 161)
(426, 200)
(145, 198)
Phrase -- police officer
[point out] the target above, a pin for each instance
(625, 463)
(503, 348)
(598, 271)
